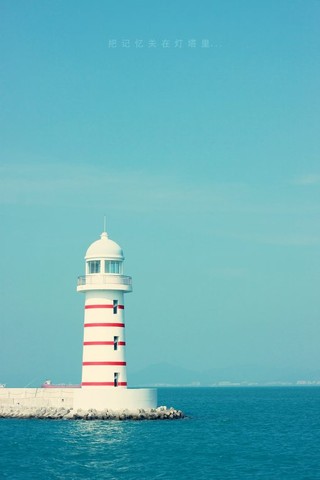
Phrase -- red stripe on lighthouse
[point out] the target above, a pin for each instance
(104, 363)
(102, 384)
(103, 306)
(104, 325)
(103, 343)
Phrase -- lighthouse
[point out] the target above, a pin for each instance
(104, 373)
(104, 286)
(103, 392)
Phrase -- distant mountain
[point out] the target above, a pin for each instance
(167, 374)
(163, 373)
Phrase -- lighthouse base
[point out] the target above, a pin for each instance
(116, 399)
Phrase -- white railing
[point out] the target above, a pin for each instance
(95, 279)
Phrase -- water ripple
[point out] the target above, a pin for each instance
(230, 434)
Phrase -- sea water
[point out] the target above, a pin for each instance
(229, 433)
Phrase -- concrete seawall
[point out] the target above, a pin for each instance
(80, 398)
(37, 397)
(75, 403)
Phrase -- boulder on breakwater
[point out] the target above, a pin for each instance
(159, 413)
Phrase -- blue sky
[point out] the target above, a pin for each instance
(205, 160)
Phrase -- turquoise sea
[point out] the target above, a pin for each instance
(230, 433)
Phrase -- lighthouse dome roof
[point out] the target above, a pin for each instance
(104, 248)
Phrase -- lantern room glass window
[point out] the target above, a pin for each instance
(94, 266)
(113, 266)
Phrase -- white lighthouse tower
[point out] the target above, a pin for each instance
(104, 377)
(104, 285)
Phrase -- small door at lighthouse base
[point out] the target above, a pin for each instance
(116, 379)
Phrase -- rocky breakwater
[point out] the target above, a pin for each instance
(160, 413)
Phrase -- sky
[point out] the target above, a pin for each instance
(194, 128)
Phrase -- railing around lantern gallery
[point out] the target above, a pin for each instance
(104, 279)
